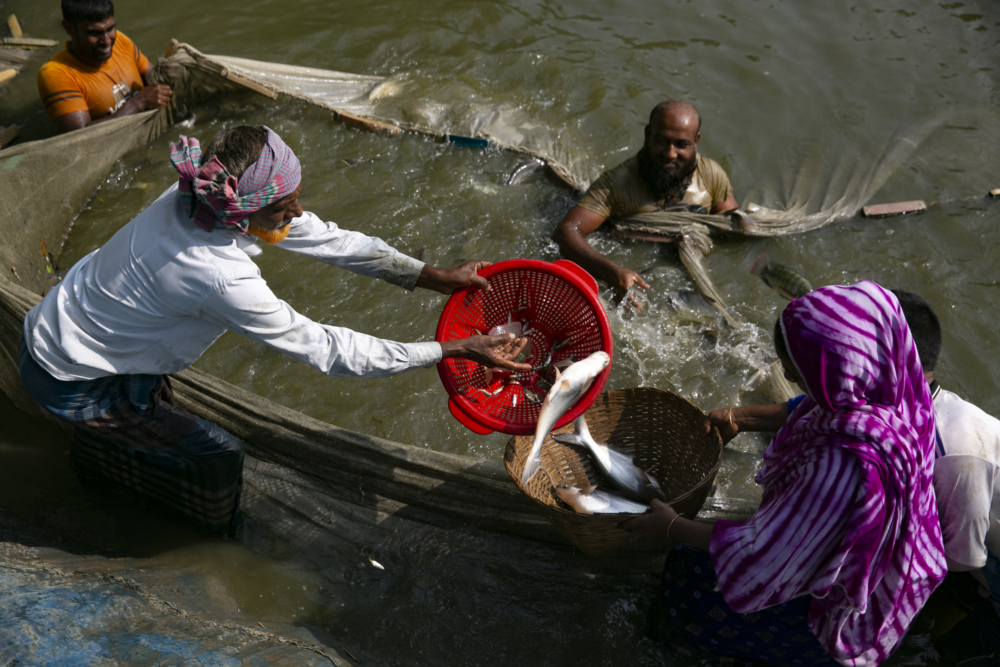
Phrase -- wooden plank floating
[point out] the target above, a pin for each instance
(8, 135)
(6, 75)
(367, 124)
(28, 42)
(247, 83)
(898, 208)
(13, 58)
(468, 142)
(15, 27)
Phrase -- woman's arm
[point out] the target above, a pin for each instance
(731, 421)
(663, 521)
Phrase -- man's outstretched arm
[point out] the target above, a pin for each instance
(571, 236)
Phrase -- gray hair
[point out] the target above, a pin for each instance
(237, 148)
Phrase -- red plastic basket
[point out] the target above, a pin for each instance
(558, 301)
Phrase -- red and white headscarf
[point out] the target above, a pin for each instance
(211, 195)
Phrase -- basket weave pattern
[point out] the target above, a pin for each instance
(664, 432)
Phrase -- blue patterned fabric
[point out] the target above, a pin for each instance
(79, 400)
(691, 615)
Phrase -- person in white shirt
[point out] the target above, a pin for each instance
(966, 486)
(98, 349)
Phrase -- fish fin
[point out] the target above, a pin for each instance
(558, 377)
(589, 490)
(649, 477)
(759, 266)
(530, 468)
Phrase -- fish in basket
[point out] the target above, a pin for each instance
(662, 433)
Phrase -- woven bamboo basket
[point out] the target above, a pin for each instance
(666, 435)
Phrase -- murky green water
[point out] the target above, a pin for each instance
(796, 98)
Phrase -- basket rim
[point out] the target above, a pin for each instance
(469, 409)
(711, 472)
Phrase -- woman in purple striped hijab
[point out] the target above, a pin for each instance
(847, 540)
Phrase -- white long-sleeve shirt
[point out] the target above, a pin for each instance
(967, 480)
(162, 290)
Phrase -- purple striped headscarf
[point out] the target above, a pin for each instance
(863, 537)
(210, 194)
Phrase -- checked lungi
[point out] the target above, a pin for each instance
(128, 433)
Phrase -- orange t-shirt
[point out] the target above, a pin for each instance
(67, 85)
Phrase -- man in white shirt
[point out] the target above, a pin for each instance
(967, 487)
(98, 349)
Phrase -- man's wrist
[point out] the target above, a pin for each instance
(429, 278)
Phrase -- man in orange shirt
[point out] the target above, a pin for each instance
(100, 74)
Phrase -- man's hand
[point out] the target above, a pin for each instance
(510, 351)
(654, 523)
(571, 236)
(152, 97)
(490, 351)
(447, 281)
(724, 421)
(624, 279)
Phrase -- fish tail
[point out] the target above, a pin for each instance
(568, 438)
(530, 468)
(759, 266)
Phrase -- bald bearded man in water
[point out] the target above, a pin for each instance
(668, 174)
(98, 349)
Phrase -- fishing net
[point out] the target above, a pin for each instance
(308, 481)
(296, 457)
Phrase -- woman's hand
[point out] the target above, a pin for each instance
(655, 523)
(663, 521)
(724, 421)
(447, 281)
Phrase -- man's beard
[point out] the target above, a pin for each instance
(271, 236)
(667, 183)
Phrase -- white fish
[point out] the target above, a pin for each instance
(568, 388)
(594, 501)
(375, 563)
(754, 379)
(616, 466)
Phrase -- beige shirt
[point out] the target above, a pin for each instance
(621, 192)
